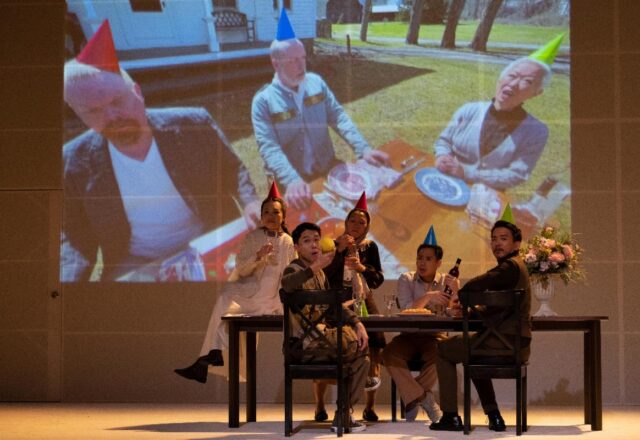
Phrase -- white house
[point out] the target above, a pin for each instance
(153, 33)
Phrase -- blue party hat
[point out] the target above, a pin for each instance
(430, 239)
(285, 31)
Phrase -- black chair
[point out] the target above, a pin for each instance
(502, 362)
(295, 367)
(414, 365)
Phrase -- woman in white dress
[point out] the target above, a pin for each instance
(253, 287)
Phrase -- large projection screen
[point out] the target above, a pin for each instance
(177, 214)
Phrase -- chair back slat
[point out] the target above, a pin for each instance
(312, 310)
(497, 307)
(495, 350)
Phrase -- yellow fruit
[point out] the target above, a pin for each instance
(327, 244)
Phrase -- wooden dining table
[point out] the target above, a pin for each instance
(590, 326)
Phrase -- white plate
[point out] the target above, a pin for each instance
(441, 187)
(348, 181)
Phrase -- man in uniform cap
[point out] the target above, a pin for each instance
(291, 118)
(510, 273)
(140, 183)
(498, 142)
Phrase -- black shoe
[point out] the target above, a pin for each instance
(321, 416)
(215, 358)
(369, 415)
(448, 422)
(197, 371)
(496, 422)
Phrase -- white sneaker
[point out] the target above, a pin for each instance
(353, 425)
(431, 407)
(372, 383)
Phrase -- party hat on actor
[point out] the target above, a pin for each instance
(362, 202)
(285, 30)
(507, 215)
(430, 239)
(100, 51)
(547, 53)
(274, 193)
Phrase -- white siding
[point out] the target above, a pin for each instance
(302, 16)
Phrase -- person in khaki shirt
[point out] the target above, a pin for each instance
(422, 288)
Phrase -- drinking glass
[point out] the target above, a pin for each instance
(440, 310)
(389, 302)
(357, 302)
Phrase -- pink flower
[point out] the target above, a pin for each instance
(551, 243)
(530, 257)
(567, 251)
(556, 257)
(544, 266)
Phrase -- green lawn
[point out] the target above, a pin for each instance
(410, 98)
(417, 110)
(502, 33)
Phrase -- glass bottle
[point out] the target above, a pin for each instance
(454, 272)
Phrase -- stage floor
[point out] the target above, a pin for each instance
(49, 421)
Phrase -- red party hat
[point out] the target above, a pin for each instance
(273, 192)
(362, 203)
(100, 51)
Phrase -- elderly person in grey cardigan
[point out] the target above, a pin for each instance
(497, 142)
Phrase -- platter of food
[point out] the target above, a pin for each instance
(421, 311)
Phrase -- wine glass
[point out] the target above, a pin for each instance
(272, 257)
(439, 309)
(389, 302)
(357, 302)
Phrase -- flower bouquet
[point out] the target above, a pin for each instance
(552, 253)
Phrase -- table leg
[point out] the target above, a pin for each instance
(596, 377)
(251, 377)
(588, 367)
(234, 375)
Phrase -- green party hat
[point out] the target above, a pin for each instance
(547, 53)
(507, 214)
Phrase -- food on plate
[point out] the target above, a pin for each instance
(421, 311)
(348, 181)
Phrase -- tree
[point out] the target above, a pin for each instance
(364, 25)
(453, 17)
(479, 42)
(414, 22)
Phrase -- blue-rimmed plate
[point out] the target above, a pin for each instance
(441, 187)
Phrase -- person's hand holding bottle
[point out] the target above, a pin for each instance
(455, 309)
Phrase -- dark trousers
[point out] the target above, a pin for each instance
(451, 352)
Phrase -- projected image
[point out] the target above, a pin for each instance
(177, 126)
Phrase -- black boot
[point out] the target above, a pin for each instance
(199, 369)
(196, 371)
(496, 422)
(448, 422)
(215, 358)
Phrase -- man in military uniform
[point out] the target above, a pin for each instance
(510, 273)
